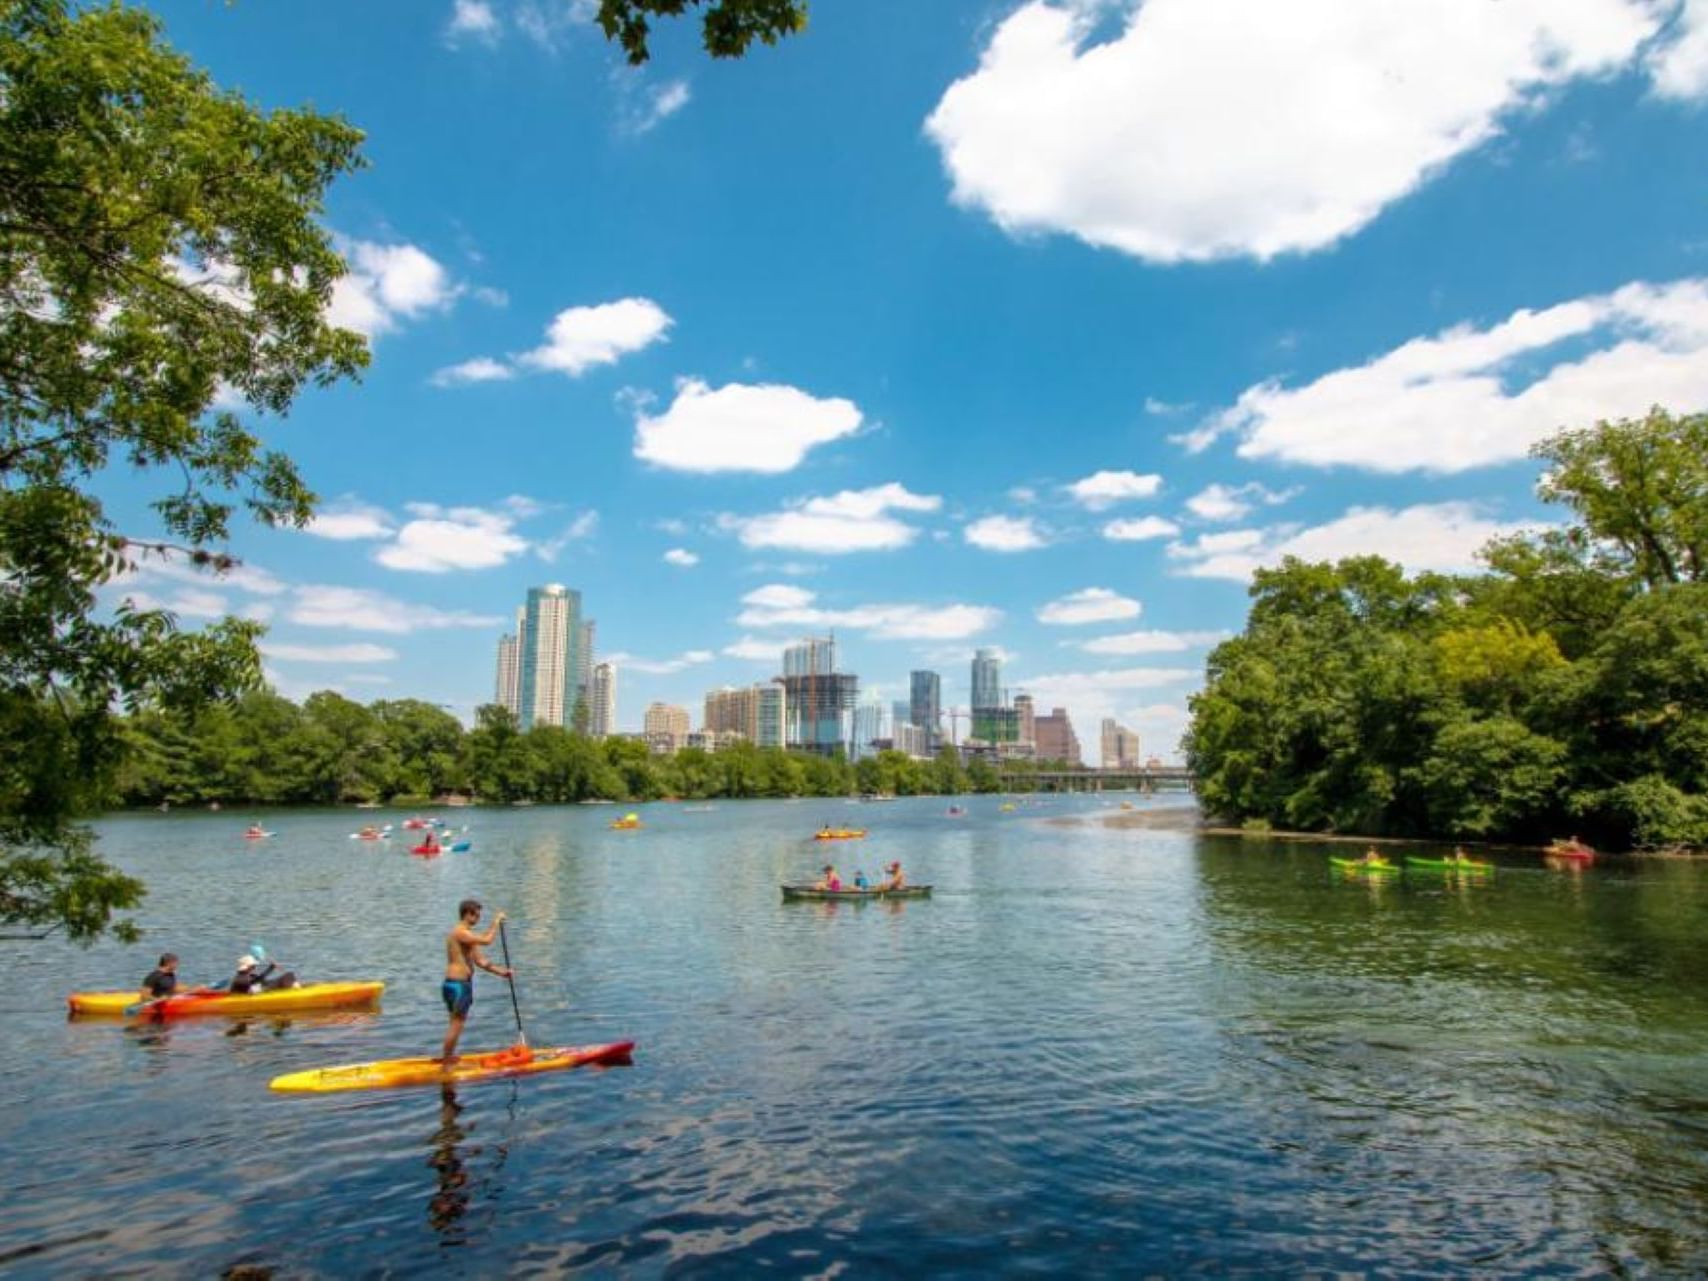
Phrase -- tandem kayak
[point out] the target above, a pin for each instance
(794, 892)
(841, 834)
(1448, 864)
(310, 996)
(388, 1074)
(1359, 865)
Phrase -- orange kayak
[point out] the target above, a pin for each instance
(388, 1074)
(310, 996)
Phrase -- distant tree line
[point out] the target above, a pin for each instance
(1565, 690)
(262, 749)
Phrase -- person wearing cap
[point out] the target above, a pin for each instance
(895, 880)
(251, 977)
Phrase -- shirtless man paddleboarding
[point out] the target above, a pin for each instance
(462, 955)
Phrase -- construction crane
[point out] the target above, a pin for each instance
(956, 715)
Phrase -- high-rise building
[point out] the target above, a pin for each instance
(602, 703)
(584, 668)
(818, 697)
(1056, 739)
(755, 712)
(1120, 746)
(925, 705)
(665, 721)
(901, 712)
(987, 680)
(550, 646)
(868, 729)
(1028, 719)
(912, 740)
(508, 687)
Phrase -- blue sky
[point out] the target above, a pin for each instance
(1027, 325)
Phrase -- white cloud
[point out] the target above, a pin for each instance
(581, 337)
(1679, 68)
(349, 519)
(1106, 488)
(472, 20)
(682, 557)
(1023, 494)
(1004, 534)
(1164, 408)
(1218, 128)
(582, 527)
(172, 568)
(652, 105)
(1140, 529)
(481, 369)
(1438, 536)
(1470, 397)
(361, 652)
(854, 520)
(662, 666)
(756, 649)
(386, 284)
(1129, 643)
(187, 602)
(1092, 605)
(784, 605)
(360, 610)
(1219, 502)
(741, 427)
(442, 539)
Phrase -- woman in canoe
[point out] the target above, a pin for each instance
(252, 978)
(829, 881)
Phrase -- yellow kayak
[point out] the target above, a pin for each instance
(386, 1074)
(312, 996)
(841, 834)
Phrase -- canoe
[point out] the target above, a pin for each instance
(1577, 853)
(492, 1065)
(311, 996)
(1359, 865)
(841, 834)
(792, 893)
(1447, 864)
(461, 847)
(621, 826)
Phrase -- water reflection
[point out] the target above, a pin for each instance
(450, 1200)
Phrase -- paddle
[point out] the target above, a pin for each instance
(510, 977)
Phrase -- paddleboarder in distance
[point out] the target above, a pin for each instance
(462, 954)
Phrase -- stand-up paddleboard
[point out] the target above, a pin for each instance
(388, 1074)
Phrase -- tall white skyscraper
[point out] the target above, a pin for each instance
(602, 718)
(550, 646)
(508, 693)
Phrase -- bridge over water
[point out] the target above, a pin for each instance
(1142, 779)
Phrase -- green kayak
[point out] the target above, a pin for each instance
(1359, 865)
(1447, 864)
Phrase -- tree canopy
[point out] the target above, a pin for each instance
(161, 259)
(1565, 690)
(727, 27)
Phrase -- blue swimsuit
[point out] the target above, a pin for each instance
(459, 995)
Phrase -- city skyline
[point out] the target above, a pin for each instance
(1066, 418)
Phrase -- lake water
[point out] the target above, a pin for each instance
(1092, 1052)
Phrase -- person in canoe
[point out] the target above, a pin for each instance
(462, 956)
(162, 980)
(255, 832)
(860, 881)
(1459, 856)
(251, 978)
(896, 880)
(1372, 858)
(829, 880)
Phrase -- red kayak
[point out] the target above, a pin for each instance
(427, 851)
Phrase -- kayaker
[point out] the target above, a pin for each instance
(1371, 856)
(251, 977)
(896, 880)
(255, 831)
(462, 955)
(829, 880)
(162, 980)
(1459, 855)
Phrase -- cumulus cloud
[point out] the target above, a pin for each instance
(386, 285)
(1429, 536)
(1004, 534)
(482, 369)
(361, 610)
(361, 652)
(579, 529)
(1218, 502)
(1091, 605)
(580, 338)
(1218, 128)
(1471, 397)
(682, 557)
(741, 427)
(1106, 488)
(186, 602)
(169, 567)
(1139, 529)
(662, 666)
(349, 519)
(1152, 642)
(784, 605)
(645, 107)
(472, 20)
(756, 649)
(1679, 66)
(441, 539)
(854, 520)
